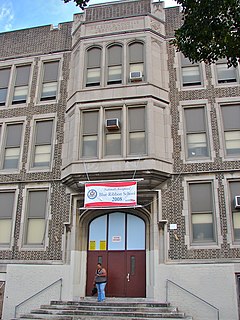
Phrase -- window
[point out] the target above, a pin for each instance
(190, 73)
(114, 64)
(136, 57)
(202, 215)
(36, 217)
(225, 74)
(43, 144)
(136, 131)
(20, 91)
(90, 134)
(4, 83)
(6, 212)
(196, 135)
(231, 124)
(113, 138)
(235, 191)
(12, 146)
(126, 136)
(94, 57)
(50, 80)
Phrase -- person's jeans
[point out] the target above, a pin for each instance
(101, 291)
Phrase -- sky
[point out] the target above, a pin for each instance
(21, 14)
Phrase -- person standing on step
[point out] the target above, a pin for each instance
(100, 281)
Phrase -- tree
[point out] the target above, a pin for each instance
(79, 3)
(210, 30)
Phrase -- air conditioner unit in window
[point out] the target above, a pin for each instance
(135, 76)
(237, 202)
(112, 124)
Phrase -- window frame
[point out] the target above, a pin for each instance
(99, 66)
(185, 63)
(109, 65)
(204, 131)
(131, 63)
(225, 82)
(203, 243)
(233, 210)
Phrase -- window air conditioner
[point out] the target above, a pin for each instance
(237, 202)
(136, 76)
(112, 124)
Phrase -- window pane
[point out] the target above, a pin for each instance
(93, 76)
(7, 202)
(14, 135)
(116, 232)
(135, 233)
(22, 76)
(11, 158)
(137, 143)
(94, 57)
(51, 71)
(232, 140)
(136, 67)
(5, 231)
(115, 74)
(197, 145)
(195, 119)
(42, 156)
(114, 55)
(98, 233)
(89, 146)
(37, 201)
(136, 119)
(136, 52)
(236, 225)
(49, 90)
(3, 96)
(44, 132)
(4, 77)
(231, 117)
(202, 225)
(20, 94)
(225, 74)
(90, 122)
(191, 75)
(113, 144)
(35, 231)
(201, 197)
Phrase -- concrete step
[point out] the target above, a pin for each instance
(112, 308)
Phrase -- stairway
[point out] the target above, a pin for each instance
(112, 308)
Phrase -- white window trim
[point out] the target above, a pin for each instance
(186, 212)
(15, 189)
(44, 59)
(42, 117)
(48, 218)
(4, 123)
(182, 133)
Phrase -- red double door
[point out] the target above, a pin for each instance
(122, 253)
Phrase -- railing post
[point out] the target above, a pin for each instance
(167, 291)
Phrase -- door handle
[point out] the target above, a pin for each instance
(128, 277)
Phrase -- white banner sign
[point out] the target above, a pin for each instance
(110, 194)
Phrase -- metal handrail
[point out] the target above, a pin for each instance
(192, 294)
(40, 291)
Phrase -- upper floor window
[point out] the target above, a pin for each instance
(42, 151)
(35, 226)
(114, 54)
(196, 133)
(231, 125)
(94, 60)
(19, 83)
(50, 80)
(7, 199)
(202, 212)
(235, 191)
(191, 74)
(136, 60)
(113, 132)
(224, 73)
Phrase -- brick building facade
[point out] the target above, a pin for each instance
(176, 132)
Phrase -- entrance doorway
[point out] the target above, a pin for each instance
(117, 240)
